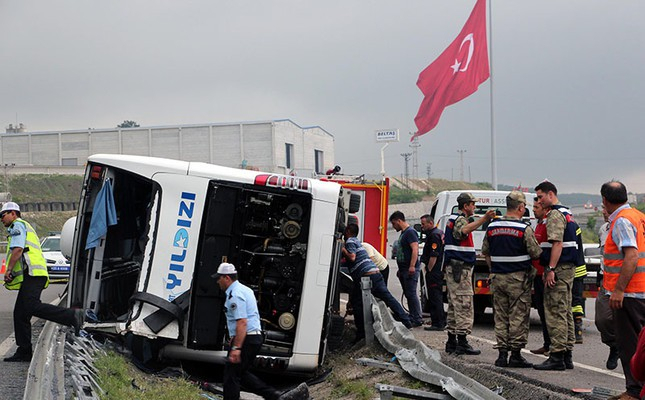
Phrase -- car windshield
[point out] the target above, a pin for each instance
(50, 244)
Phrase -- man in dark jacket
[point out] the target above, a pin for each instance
(431, 265)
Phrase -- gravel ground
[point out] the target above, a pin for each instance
(345, 369)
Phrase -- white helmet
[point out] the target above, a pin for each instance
(10, 206)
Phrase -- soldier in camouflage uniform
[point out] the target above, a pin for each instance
(459, 255)
(509, 246)
(560, 256)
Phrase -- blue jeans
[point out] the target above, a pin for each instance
(381, 292)
(409, 284)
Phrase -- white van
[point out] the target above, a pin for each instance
(150, 275)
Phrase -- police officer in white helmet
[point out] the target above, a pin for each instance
(26, 271)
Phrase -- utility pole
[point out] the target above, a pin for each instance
(406, 180)
(415, 157)
(429, 170)
(461, 163)
(6, 178)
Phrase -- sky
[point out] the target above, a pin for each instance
(567, 82)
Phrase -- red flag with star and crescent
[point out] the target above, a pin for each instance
(456, 73)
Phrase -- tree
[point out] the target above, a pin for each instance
(128, 124)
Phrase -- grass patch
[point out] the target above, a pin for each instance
(33, 188)
(356, 389)
(121, 380)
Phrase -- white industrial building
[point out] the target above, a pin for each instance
(280, 146)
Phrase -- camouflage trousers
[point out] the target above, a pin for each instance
(557, 309)
(512, 307)
(461, 313)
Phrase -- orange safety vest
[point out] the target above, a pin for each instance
(613, 257)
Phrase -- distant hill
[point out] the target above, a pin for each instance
(34, 188)
(569, 199)
(573, 199)
(434, 186)
(428, 188)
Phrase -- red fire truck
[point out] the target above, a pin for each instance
(372, 215)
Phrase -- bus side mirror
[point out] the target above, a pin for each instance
(67, 237)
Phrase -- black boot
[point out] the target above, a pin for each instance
(517, 361)
(612, 360)
(463, 347)
(577, 326)
(502, 359)
(21, 355)
(568, 359)
(299, 392)
(555, 362)
(451, 344)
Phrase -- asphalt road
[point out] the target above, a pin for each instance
(590, 357)
(14, 375)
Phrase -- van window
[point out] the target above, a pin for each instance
(433, 210)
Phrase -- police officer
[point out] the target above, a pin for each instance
(459, 252)
(431, 263)
(560, 255)
(27, 272)
(243, 324)
(509, 246)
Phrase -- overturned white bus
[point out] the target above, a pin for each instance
(150, 273)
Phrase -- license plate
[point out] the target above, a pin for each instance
(59, 268)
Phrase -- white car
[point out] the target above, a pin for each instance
(57, 265)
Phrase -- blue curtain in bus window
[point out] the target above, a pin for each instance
(103, 215)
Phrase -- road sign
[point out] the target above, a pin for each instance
(387, 135)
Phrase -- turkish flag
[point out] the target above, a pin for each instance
(456, 73)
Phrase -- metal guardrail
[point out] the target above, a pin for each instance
(424, 363)
(61, 359)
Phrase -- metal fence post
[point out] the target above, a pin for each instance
(368, 320)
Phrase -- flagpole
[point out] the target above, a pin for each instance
(493, 153)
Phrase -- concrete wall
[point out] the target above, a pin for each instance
(259, 145)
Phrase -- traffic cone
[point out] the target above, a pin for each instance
(3, 268)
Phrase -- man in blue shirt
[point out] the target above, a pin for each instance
(243, 323)
(360, 264)
(407, 259)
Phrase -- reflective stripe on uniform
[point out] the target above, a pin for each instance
(510, 258)
(564, 244)
(581, 270)
(616, 270)
(513, 224)
(577, 309)
(459, 248)
(619, 256)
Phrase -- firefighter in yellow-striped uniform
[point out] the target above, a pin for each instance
(26, 271)
(577, 299)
